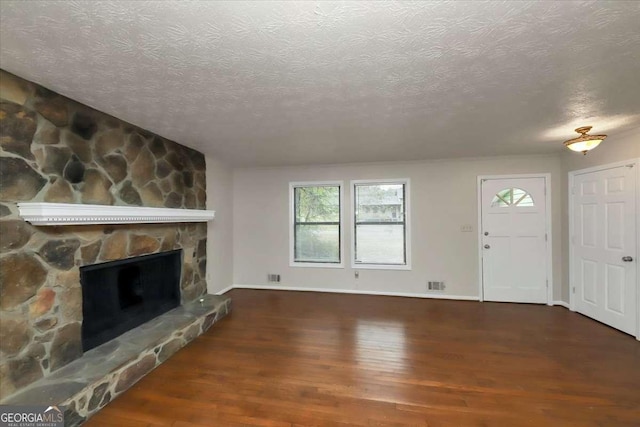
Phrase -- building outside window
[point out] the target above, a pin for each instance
(381, 224)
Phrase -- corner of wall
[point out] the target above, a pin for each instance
(219, 272)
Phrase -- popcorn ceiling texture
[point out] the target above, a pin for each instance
(54, 149)
(315, 82)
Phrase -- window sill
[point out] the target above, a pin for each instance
(381, 266)
(315, 265)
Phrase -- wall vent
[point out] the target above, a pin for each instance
(435, 286)
(273, 278)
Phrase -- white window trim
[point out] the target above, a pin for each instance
(407, 207)
(292, 215)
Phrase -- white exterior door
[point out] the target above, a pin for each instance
(513, 240)
(604, 246)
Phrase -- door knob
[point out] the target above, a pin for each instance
(487, 246)
(486, 233)
(627, 258)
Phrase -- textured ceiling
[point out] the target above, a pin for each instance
(282, 83)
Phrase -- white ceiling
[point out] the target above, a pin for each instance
(283, 83)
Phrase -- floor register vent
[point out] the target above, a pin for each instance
(435, 286)
(273, 278)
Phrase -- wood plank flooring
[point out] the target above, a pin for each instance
(312, 359)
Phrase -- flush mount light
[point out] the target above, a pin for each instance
(584, 142)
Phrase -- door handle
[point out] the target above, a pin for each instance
(627, 258)
(487, 246)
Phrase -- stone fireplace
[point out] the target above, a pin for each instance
(54, 149)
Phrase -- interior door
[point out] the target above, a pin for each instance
(604, 246)
(513, 239)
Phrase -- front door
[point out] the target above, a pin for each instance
(513, 240)
(604, 246)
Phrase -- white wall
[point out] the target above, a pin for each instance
(220, 230)
(249, 237)
(443, 198)
(616, 148)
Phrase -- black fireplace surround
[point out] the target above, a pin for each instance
(120, 295)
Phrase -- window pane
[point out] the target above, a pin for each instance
(380, 244)
(512, 196)
(517, 194)
(502, 199)
(317, 204)
(317, 243)
(498, 202)
(379, 202)
(525, 202)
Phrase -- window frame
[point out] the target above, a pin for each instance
(292, 224)
(512, 202)
(407, 224)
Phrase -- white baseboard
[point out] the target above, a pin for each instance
(362, 292)
(225, 290)
(356, 291)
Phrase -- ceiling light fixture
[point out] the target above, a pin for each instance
(584, 142)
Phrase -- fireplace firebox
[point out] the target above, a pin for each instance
(120, 295)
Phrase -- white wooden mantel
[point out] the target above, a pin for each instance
(79, 214)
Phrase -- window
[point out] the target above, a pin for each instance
(316, 214)
(380, 232)
(512, 197)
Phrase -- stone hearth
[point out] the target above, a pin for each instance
(87, 384)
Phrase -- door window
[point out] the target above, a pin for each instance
(512, 197)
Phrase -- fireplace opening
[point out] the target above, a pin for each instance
(120, 295)
(129, 286)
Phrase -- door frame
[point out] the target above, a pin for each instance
(548, 228)
(572, 174)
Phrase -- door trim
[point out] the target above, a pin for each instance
(572, 174)
(548, 229)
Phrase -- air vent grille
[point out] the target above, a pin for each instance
(273, 278)
(435, 286)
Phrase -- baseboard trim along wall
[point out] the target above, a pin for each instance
(349, 291)
(224, 291)
(361, 292)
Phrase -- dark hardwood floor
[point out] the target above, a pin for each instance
(312, 359)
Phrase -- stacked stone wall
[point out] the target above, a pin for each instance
(53, 149)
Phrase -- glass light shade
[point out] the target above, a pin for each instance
(584, 142)
(582, 146)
